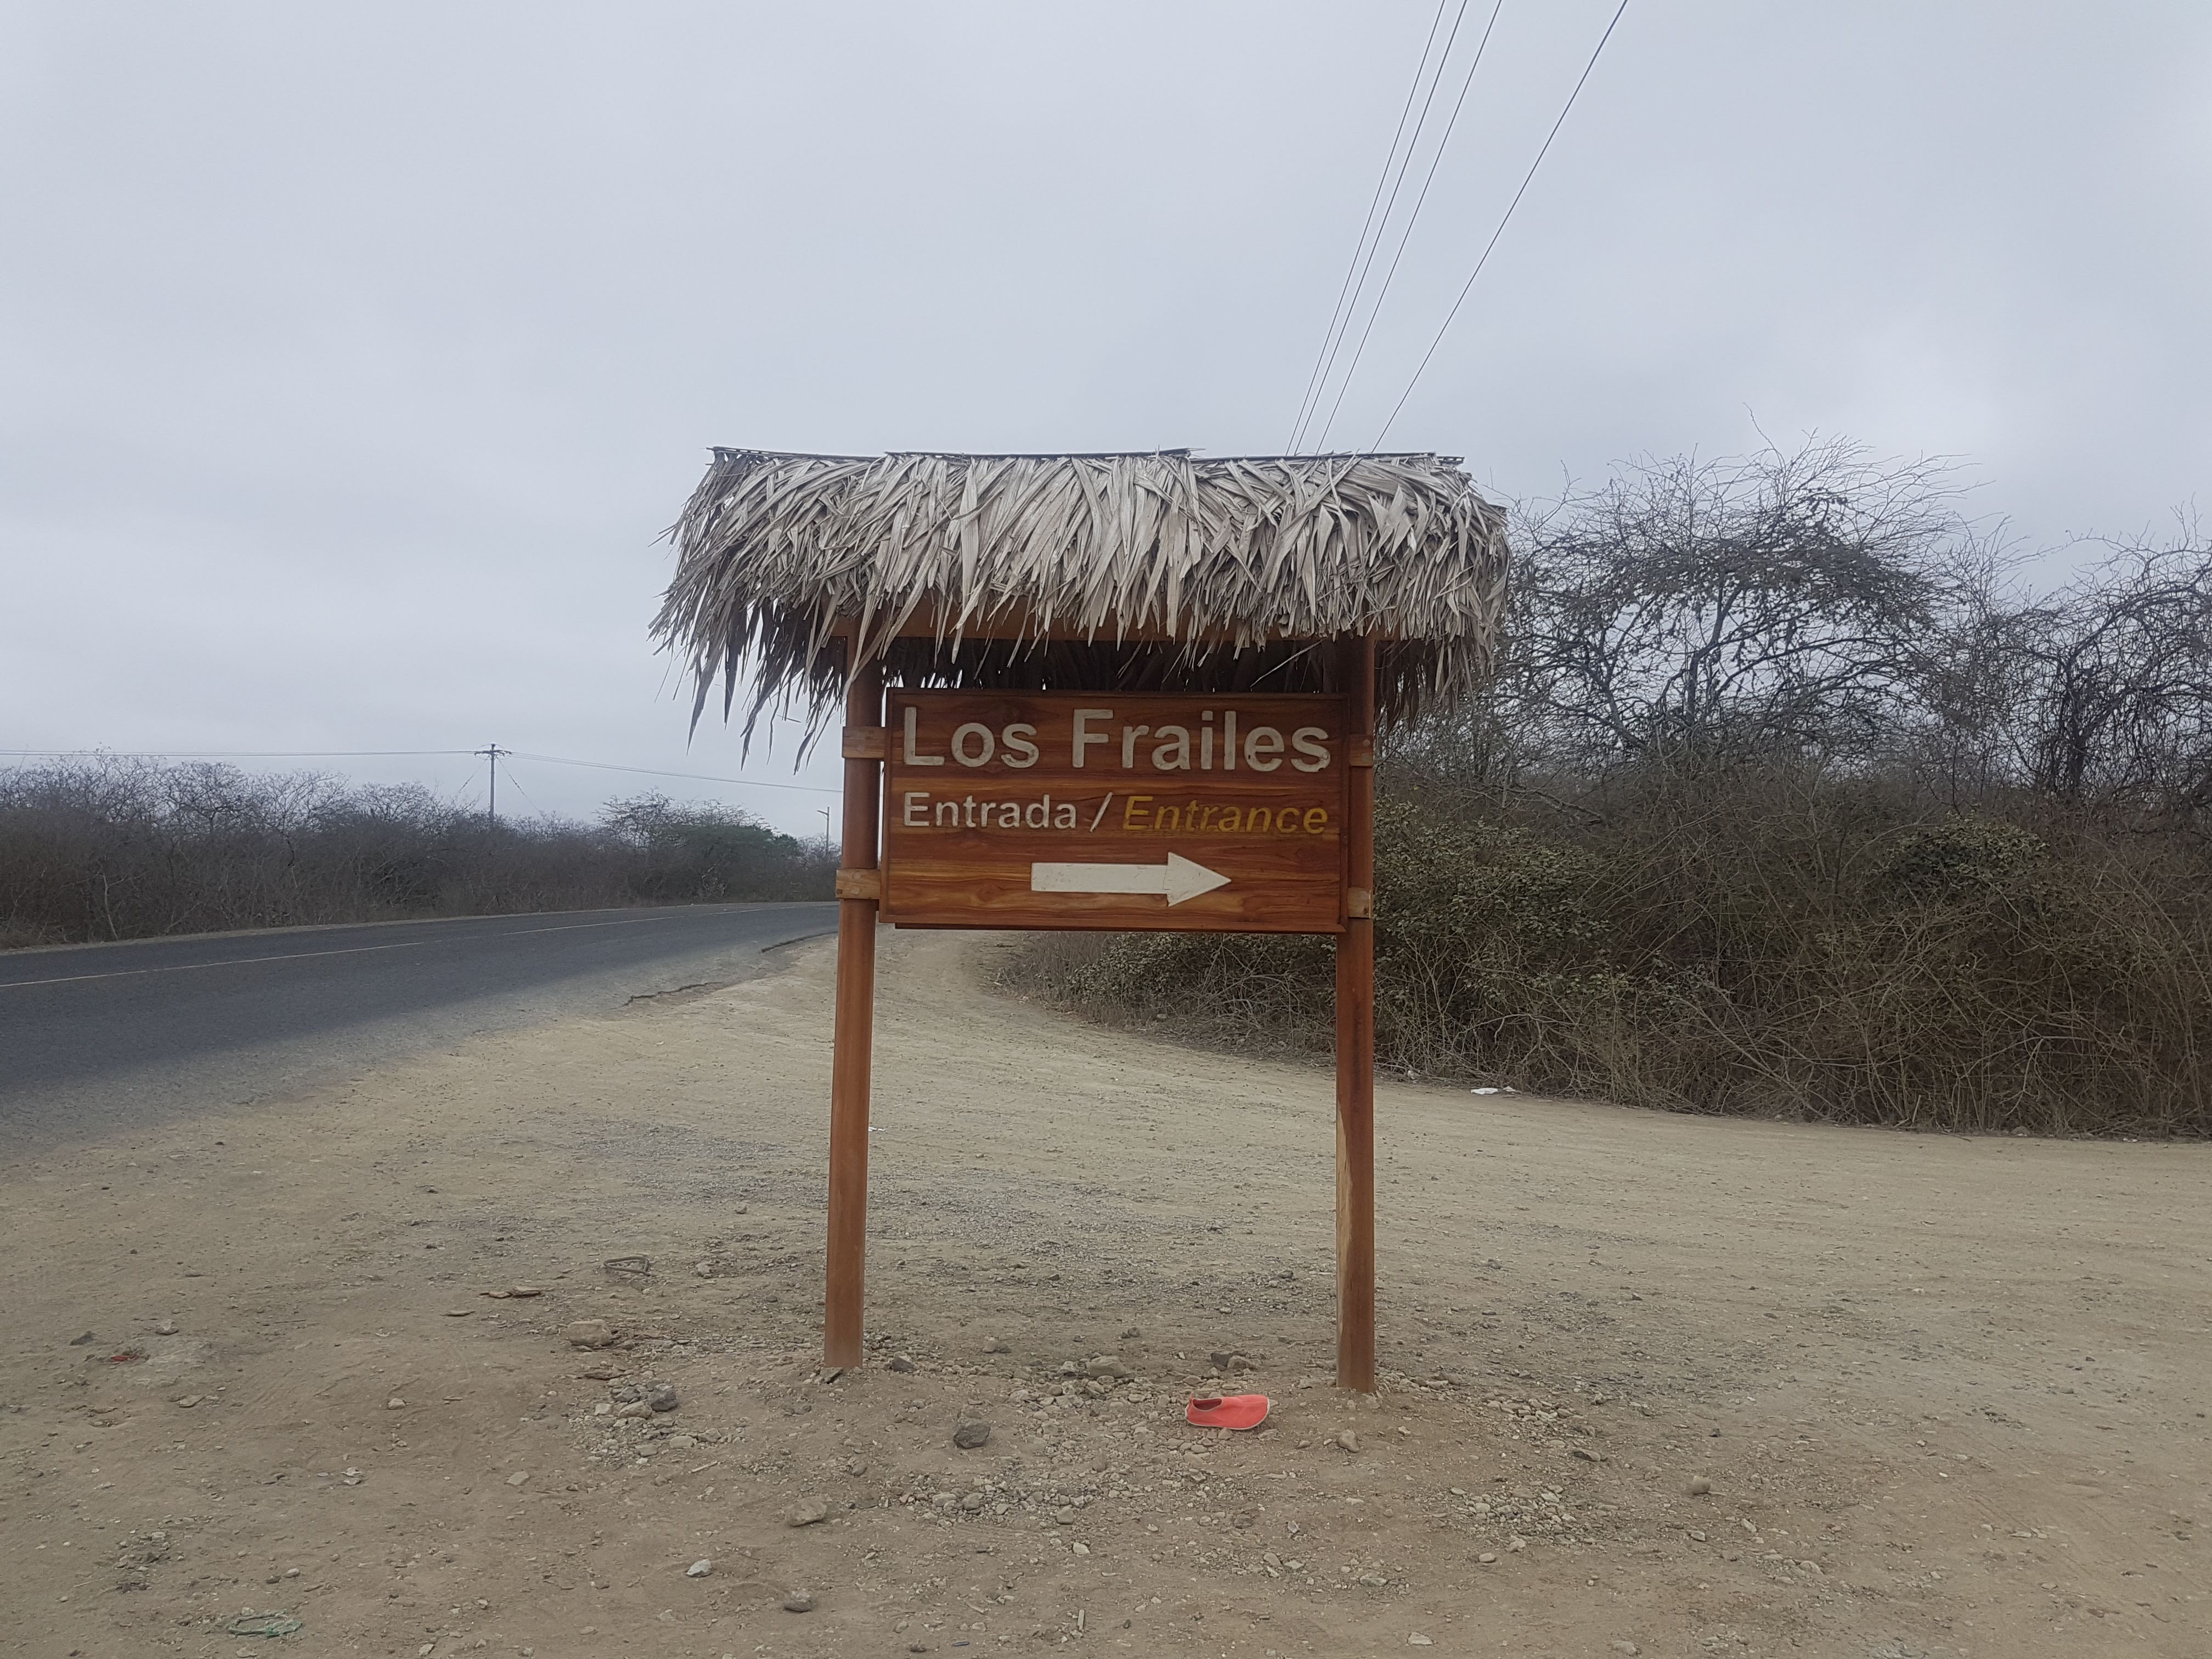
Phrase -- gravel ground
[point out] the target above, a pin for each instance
(1652, 1385)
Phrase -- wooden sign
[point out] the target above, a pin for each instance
(1091, 810)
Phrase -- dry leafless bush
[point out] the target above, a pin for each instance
(1783, 805)
(118, 849)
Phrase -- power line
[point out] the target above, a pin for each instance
(1407, 235)
(232, 754)
(515, 783)
(1314, 380)
(333, 754)
(1507, 218)
(655, 772)
(1405, 164)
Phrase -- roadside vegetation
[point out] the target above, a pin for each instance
(112, 848)
(1790, 799)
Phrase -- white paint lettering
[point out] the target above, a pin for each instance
(1173, 754)
(960, 744)
(1021, 753)
(916, 802)
(1129, 736)
(1083, 735)
(1262, 740)
(1311, 741)
(912, 756)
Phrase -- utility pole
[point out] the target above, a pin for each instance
(491, 800)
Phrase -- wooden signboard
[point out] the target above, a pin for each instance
(1099, 810)
(1079, 809)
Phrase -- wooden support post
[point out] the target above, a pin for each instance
(1355, 1035)
(854, 1052)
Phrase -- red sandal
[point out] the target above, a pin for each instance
(1236, 1411)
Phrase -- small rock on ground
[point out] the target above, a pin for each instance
(699, 1568)
(898, 1362)
(806, 1514)
(969, 1435)
(798, 1602)
(589, 1334)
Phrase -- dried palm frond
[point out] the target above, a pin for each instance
(1154, 571)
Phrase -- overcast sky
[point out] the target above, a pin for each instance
(352, 359)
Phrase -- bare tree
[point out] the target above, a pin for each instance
(111, 848)
(1696, 610)
(2121, 708)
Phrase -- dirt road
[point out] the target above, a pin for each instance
(1948, 1395)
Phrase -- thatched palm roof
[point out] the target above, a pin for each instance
(1126, 571)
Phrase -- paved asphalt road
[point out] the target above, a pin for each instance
(99, 1037)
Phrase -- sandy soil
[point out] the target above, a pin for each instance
(1948, 1395)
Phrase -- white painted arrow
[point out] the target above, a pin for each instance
(1178, 878)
